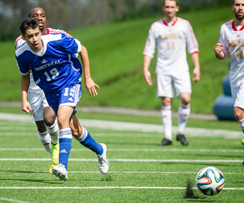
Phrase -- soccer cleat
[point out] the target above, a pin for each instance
(165, 142)
(242, 141)
(55, 154)
(60, 171)
(182, 139)
(103, 164)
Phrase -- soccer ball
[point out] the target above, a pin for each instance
(210, 181)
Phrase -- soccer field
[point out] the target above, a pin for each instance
(140, 171)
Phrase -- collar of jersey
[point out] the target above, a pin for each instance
(48, 32)
(234, 27)
(172, 23)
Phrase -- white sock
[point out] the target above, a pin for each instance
(46, 141)
(241, 123)
(53, 130)
(183, 115)
(167, 121)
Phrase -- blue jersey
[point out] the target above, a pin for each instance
(55, 66)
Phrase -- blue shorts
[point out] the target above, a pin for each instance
(69, 96)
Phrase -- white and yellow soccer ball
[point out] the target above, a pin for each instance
(210, 181)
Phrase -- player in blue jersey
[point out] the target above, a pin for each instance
(57, 71)
(44, 115)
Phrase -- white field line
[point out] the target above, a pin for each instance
(13, 200)
(130, 160)
(125, 126)
(143, 172)
(135, 150)
(108, 187)
(127, 172)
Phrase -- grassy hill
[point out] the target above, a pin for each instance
(115, 52)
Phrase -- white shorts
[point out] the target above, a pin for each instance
(238, 96)
(167, 83)
(37, 102)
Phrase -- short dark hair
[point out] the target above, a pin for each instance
(31, 11)
(28, 23)
(176, 1)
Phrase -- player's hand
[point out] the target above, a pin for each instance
(147, 77)
(196, 73)
(218, 48)
(26, 106)
(91, 87)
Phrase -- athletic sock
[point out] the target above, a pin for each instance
(45, 140)
(183, 115)
(53, 130)
(167, 121)
(86, 140)
(65, 142)
(241, 123)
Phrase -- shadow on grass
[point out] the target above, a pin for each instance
(52, 182)
(213, 155)
(30, 180)
(190, 194)
(200, 164)
(12, 171)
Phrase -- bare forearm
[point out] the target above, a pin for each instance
(24, 82)
(196, 71)
(85, 62)
(89, 83)
(195, 59)
(146, 62)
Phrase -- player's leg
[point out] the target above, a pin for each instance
(65, 141)
(166, 92)
(35, 100)
(238, 97)
(84, 137)
(52, 128)
(183, 88)
(183, 113)
(63, 105)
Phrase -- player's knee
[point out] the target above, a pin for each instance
(49, 119)
(166, 101)
(186, 101)
(239, 113)
(49, 116)
(63, 122)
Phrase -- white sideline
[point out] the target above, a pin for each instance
(126, 126)
(131, 160)
(13, 200)
(108, 187)
(136, 150)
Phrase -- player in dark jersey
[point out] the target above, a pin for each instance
(57, 71)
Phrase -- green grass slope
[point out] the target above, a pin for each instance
(115, 52)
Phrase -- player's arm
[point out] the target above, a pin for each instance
(148, 53)
(218, 50)
(89, 83)
(192, 47)
(25, 82)
(146, 64)
(196, 70)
